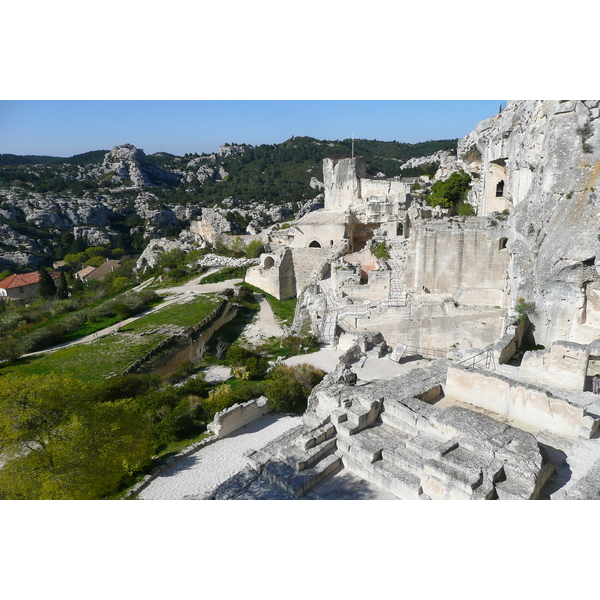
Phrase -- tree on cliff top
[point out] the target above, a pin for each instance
(450, 192)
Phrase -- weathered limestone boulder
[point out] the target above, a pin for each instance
(315, 184)
(94, 236)
(212, 225)
(152, 252)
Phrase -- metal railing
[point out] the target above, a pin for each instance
(483, 360)
(425, 352)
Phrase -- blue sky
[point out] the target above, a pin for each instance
(68, 127)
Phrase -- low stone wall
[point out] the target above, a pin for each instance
(206, 323)
(515, 400)
(564, 365)
(237, 416)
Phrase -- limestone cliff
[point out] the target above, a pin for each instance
(540, 160)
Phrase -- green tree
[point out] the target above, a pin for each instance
(47, 287)
(450, 192)
(59, 444)
(62, 290)
(95, 261)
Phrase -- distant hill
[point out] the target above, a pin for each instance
(87, 158)
(30, 159)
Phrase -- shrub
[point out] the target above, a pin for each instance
(451, 191)
(43, 337)
(124, 386)
(380, 251)
(254, 249)
(524, 308)
(288, 388)
(465, 209)
(285, 395)
(238, 355)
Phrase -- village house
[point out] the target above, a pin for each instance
(22, 287)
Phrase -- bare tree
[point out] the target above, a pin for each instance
(221, 348)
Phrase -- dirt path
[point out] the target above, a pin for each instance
(264, 325)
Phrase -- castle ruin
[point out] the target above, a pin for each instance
(505, 303)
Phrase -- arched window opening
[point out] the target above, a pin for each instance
(502, 244)
(314, 244)
(500, 189)
(268, 262)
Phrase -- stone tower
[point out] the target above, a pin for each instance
(342, 181)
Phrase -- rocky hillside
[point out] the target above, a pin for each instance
(124, 198)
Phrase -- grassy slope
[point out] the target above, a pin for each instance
(114, 353)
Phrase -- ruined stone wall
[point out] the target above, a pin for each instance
(342, 181)
(304, 261)
(275, 275)
(465, 259)
(564, 365)
(323, 230)
(464, 329)
(528, 404)
(237, 416)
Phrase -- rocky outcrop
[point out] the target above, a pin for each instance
(130, 166)
(212, 225)
(540, 160)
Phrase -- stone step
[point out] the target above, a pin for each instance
(358, 416)
(285, 477)
(442, 481)
(388, 476)
(317, 435)
(300, 459)
(400, 482)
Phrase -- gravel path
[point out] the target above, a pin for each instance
(195, 476)
(264, 325)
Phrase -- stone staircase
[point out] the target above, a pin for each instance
(299, 459)
(397, 264)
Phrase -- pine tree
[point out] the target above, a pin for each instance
(62, 291)
(47, 287)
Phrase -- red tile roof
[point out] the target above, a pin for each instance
(24, 279)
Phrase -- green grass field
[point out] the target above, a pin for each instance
(114, 353)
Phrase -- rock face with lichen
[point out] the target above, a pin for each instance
(540, 162)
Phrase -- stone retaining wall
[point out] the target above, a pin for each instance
(201, 334)
(205, 323)
(231, 419)
(527, 404)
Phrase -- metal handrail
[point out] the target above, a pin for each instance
(485, 357)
